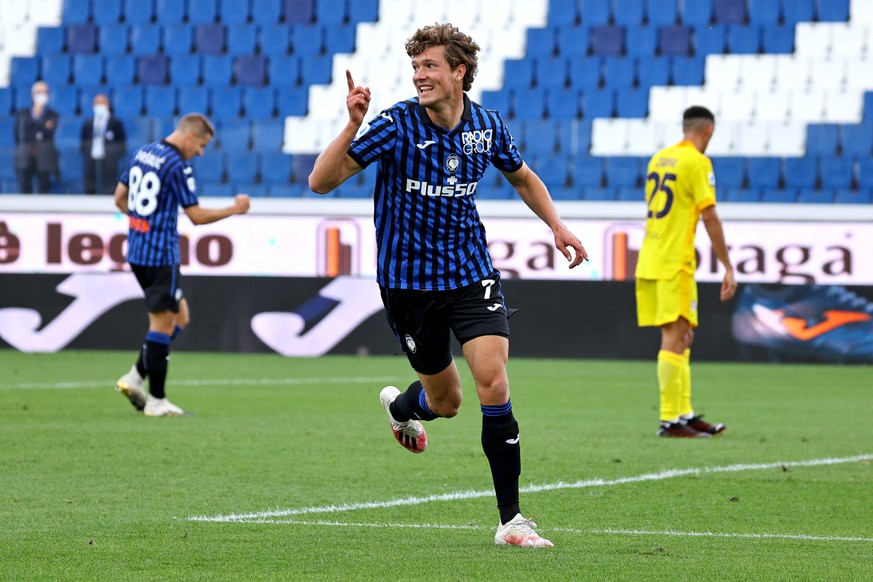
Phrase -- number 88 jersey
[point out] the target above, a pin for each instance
(680, 183)
(158, 181)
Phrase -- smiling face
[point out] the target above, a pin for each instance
(434, 79)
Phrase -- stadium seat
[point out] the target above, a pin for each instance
(202, 11)
(194, 99)
(837, 172)
(518, 73)
(553, 169)
(88, 69)
(330, 13)
(729, 11)
(242, 39)
(529, 103)
(620, 72)
(209, 167)
(170, 11)
(55, 69)
(801, 172)
(266, 12)
(560, 103)
(645, 41)
(67, 135)
(339, 38)
(72, 170)
(587, 171)
(234, 13)
(316, 70)
(65, 100)
(127, 102)
(798, 11)
(779, 195)
(283, 190)
(160, 101)
(243, 167)
(178, 39)
(293, 102)
(185, 70)
(226, 102)
(662, 12)
(274, 39)
(363, 11)
(630, 12)
(538, 136)
(49, 40)
(151, 69)
(268, 135)
(112, 39)
(822, 139)
(216, 189)
(674, 40)
(551, 71)
(586, 73)
(283, 72)
(833, 11)
(106, 11)
(814, 196)
(624, 172)
(729, 172)
(81, 39)
(596, 12)
(697, 13)
(710, 40)
(209, 39)
(307, 40)
(274, 167)
(687, 70)
(597, 194)
(162, 127)
(5, 103)
(745, 195)
(299, 11)
(139, 11)
(778, 39)
(598, 103)
(844, 196)
(865, 174)
(572, 40)
(259, 102)
(763, 172)
(540, 42)
(765, 11)
(607, 40)
(745, 40)
(217, 71)
(500, 100)
(857, 141)
(632, 102)
(653, 71)
(250, 70)
(75, 11)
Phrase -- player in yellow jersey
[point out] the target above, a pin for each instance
(680, 188)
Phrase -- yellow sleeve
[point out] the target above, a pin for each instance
(703, 184)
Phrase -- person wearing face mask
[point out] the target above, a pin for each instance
(103, 145)
(35, 154)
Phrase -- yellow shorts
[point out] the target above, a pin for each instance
(663, 301)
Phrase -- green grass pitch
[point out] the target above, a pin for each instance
(299, 450)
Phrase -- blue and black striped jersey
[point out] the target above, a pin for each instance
(428, 232)
(158, 181)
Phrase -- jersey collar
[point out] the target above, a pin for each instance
(466, 116)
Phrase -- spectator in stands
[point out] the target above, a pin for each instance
(680, 188)
(435, 272)
(36, 155)
(103, 144)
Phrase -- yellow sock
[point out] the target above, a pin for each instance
(670, 367)
(685, 408)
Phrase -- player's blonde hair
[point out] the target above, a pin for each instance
(196, 122)
(460, 48)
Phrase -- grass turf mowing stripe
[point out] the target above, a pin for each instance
(222, 382)
(464, 495)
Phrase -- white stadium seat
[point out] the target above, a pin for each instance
(844, 106)
(813, 39)
(724, 72)
(792, 73)
(787, 139)
(773, 106)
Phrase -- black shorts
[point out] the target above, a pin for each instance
(422, 320)
(161, 287)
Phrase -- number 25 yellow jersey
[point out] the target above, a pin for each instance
(680, 183)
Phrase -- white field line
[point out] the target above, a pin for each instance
(629, 532)
(464, 495)
(215, 382)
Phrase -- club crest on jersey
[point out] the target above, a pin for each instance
(478, 141)
(410, 344)
(452, 163)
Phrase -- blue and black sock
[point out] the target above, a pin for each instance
(411, 404)
(501, 446)
(156, 355)
(140, 362)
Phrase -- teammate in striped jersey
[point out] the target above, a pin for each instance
(157, 181)
(434, 270)
(680, 188)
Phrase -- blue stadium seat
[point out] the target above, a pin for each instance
(541, 42)
(674, 40)
(209, 39)
(631, 194)
(55, 69)
(596, 12)
(857, 141)
(729, 11)
(518, 74)
(844, 196)
(663, 12)
(798, 11)
(283, 191)
(746, 195)
(867, 107)
(217, 70)
(82, 39)
(653, 71)
(170, 11)
(587, 73)
(209, 167)
(587, 171)
(779, 195)
(299, 11)
(763, 172)
(268, 135)
(242, 39)
(243, 167)
(236, 135)
(865, 174)
(353, 191)
(88, 69)
(6, 99)
(729, 172)
(65, 100)
(49, 40)
(193, 99)
(564, 11)
(67, 135)
(801, 172)
(632, 102)
(202, 11)
(293, 101)
(186, 70)
(619, 72)
(744, 40)
(152, 69)
(216, 189)
(630, 12)
(112, 39)
(259, 102)
(234, 13)
(710, 40)
(837, 172)
(72, 171)
(145, 39)
(283, 72)
(252, 189)
(814, 196)
(624, 172)
(834, 10)
(778, 39)
(274, 167)
(139, 11)
(551, 71)
(105, 11)
(7, 137)
(127, 101)
(488, 191)
(765, 11)
(330, 13)
(568, 193)
(578, 140)
(597, 194)
(316, 70)
(120, 70)
(162, 126)
(607, 40)
(178, 39)
(572, 40)
(529, 103)
(226, 102)
(160, 101)
(696, 13)
(340, 38)
(250, 70)
(301, 167)
(266, 12)
(76, 11)
(822, 139)
(539, 136)
(307, 40)
(501, 100)
(363, 11)
(645, 40)
(274, 39)
(687, 70)
(561, 103)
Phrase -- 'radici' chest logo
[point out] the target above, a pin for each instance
(478, 141)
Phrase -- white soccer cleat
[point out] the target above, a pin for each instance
(519, 531)
(409, 434)
(131, 385)
(161, 407)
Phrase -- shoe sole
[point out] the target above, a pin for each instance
(137, 399)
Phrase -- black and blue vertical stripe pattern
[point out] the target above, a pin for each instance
(158, 244)
(428, 232)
